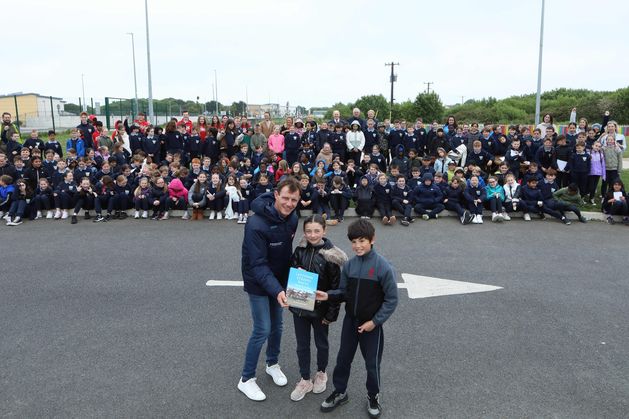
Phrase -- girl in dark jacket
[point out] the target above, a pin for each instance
(317, 254)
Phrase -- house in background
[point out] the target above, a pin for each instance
(31, 105)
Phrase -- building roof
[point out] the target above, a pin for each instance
(29, 94)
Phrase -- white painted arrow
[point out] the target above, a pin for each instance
(419, 286)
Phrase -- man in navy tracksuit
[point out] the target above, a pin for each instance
(267, 247)
(369, 290)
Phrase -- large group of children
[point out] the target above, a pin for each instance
(401, 169)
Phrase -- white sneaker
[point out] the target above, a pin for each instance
(39, 215)
(49, 215)
(278, 376)
(145, 214)
(185, 216)
(64, 214)
(494, 217)
(527, 217)
(480, 219)
(251, 389)
(2, 214)
(475, 219)
(506, 217)
(219, 215)
(320, 382)
(245, 218)
(57, 214)
(302, 388)
(16, 221)
(7, 217)
(136, 215)
(212, 215)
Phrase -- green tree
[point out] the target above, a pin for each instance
(428, 106)
(376, 102)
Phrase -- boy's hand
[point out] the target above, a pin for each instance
(282, 300)
(325, 322)
(321, 296)
(368, 326)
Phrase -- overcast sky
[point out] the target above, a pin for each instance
(312, 53)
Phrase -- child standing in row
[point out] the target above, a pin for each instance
(367, 309)
(315, 253)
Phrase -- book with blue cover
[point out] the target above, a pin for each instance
(301, 288)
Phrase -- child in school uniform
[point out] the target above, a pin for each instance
(215, 197)
(382, 193)
(232, 195)
(367, 309)
(615, 203)
(454, 200)
(122, 198)
(315, 253)
(246, 196)
(141, 198)
(177, 198)
(475, 196)
(364, 198)
(20, 202)
(340, 194)
(548, 188)
(64, 195)
(580, 165)
(427, 198)
(44, 199)
(158, 198)
(85, 196)
(613, 162)
(401, 200)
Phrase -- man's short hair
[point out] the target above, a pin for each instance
(361, 229)
(291, 183)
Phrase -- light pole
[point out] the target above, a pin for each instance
(83, 89)
(539, 68)
(216, 90)
(135, 79)
(148, 59)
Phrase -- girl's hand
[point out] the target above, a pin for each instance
(321, 296)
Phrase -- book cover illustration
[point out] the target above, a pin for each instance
(301, 288)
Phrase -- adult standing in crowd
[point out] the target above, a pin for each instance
(547, 122)
(267, 125)
(258, 139)
(266, 251)
(356, 117)
(336, 119)
(8, 129)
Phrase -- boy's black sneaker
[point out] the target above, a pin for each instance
(74, 220)
(87, 215)
(155, 216)
(404, 222)
(583, 219)
(116, 215)
(123, 215)
(107, 217)
(99, 218)
(373, 406)
(411, 220)
(610, 220)
(565, 221)
(335, 399)
(467, 217)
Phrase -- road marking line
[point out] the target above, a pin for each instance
(216, 283)
(419, 286)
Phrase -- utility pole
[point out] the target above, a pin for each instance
(148, 60)
(84, 107)
(462, 101)
(216, 90)
(428, 83)
(539, 68)
(392, 79)
(135, 79)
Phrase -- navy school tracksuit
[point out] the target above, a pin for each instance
(383, 199)
(580, 170)
(65, 193)
(473, 193)
(529, 199)
(559, 207)
(398, 196)
(369, 290)
(428, 198)
(455, 200)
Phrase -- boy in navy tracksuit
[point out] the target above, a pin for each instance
(401, 200)
(580, 168)
(369, 290)
(548, 187)
(428, 198)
